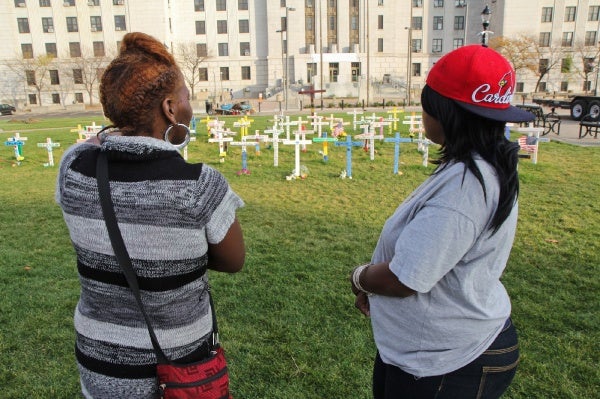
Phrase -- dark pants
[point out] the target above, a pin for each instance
(487, 377)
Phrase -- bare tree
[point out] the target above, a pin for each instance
(589, 57)
(87, 70)
(189, 62)
(34, 71)
(526, 53)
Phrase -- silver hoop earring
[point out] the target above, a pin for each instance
(185, 141)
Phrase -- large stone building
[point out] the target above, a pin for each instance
(350, 48)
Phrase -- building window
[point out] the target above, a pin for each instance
(456, 43)
(118, 2)
(564, 86)
(519, 87)
(438, 3)
(55, 98)
(201, 50)
(565, 65)
(222, 26)
(416, 45)
(459, 22)
(95, 3)
(543, 66)
(542, 87)
(355, 70)
(587, 85)
(567, 39)
(334, 70)
(588, 64)
(223, 49)
(72, 24)
(69, 3)
(120, 22)
(547, 14)
(417, 23)
(354, 22)
(246, 74)
(96, 23)
(243, 5)
(23, 24)
(417, 3)
(32, 98)
(74, 49)
(332, 23)
(590, 38)
(44, 3)
(221, 5)
(203, 74)
(79, 98)
(201, 27)
(244, 48)
(54, 80)
(380, 45)
(416, 69)
(30, 77)
(570, 14)
(460, 3)
(27, 50)
(48, 25)
(380, 22)
(311, 71)
(436, 46)
(51, 50)
(244, 26)
(99, 49)
(198, 5)
(545, 39)
(594, 13)
(224, 73)
(77, 76)
(438, 23)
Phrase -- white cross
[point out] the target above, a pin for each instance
(49, 145)
(275, 132)
(297, 142)
(354, 113)
(221, 138)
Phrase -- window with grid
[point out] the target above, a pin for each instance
(222, 26)
(93, 3)
(246, 73)
(51, 50)
(224, 73)
(594, 13)
(334, 71)
(77, 76)
(245, 49)
(547, 14)
(221, 5)
(588, 64)
(459, 22)
(416, 69)
(570, 14)
(567, 39)
(223, 49)
(27, 50)
(75, 49)
(355, 71)
(244, 26)
(203, 74)
(201, 50)
(436, 46)
(48, 25)
(45, 3)
(543, 65)
(32, 98)
(417, 23)
(565, 65)
(120, 22)
(590, 38)
(70, 3)
(99, 49)
(545, 39)
(519, 87)
(416, 45)
(23, 24)
(118, 2)
(96, 23)
(456, 43)
(201, 27)
(72, 24)
(198, 5)
(55, 98)
(380, 45)
(438, 23)
(564, 86)
(79, 98)
(460, 3)
(54, 80)
(30, 77)
(438, 3)
(379, 2)
(243, 5)
(417, 3)
(542, 87)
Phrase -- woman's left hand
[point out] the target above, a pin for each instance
(362, 303)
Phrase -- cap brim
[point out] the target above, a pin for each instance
(510, 114)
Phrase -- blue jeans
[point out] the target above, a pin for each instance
(487, 377)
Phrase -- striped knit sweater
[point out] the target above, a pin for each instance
(168, 212)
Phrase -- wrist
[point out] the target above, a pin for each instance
(357, 274)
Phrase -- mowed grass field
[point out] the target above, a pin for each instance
(287, 320)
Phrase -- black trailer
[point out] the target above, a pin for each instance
(579, 106)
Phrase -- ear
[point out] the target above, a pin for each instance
(168, 109)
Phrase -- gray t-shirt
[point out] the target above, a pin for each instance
(438, 243)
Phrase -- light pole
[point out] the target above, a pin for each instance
(280, 31)
(485, 22)
(465, 5)
(285, 75)
(408, 65)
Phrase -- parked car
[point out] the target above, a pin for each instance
(7, 109)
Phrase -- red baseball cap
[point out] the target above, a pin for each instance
(480, 80)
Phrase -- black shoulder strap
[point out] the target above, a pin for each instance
(122, 255)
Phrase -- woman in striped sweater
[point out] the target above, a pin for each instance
(177, 220)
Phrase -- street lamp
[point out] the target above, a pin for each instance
(485, 21)
(285, 75)
(280, 31)
(408, 65)
(465, 5)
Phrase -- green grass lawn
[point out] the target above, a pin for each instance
(287, 319)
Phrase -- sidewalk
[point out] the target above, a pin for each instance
(569, 131)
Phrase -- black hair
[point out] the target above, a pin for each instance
(467, 134)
